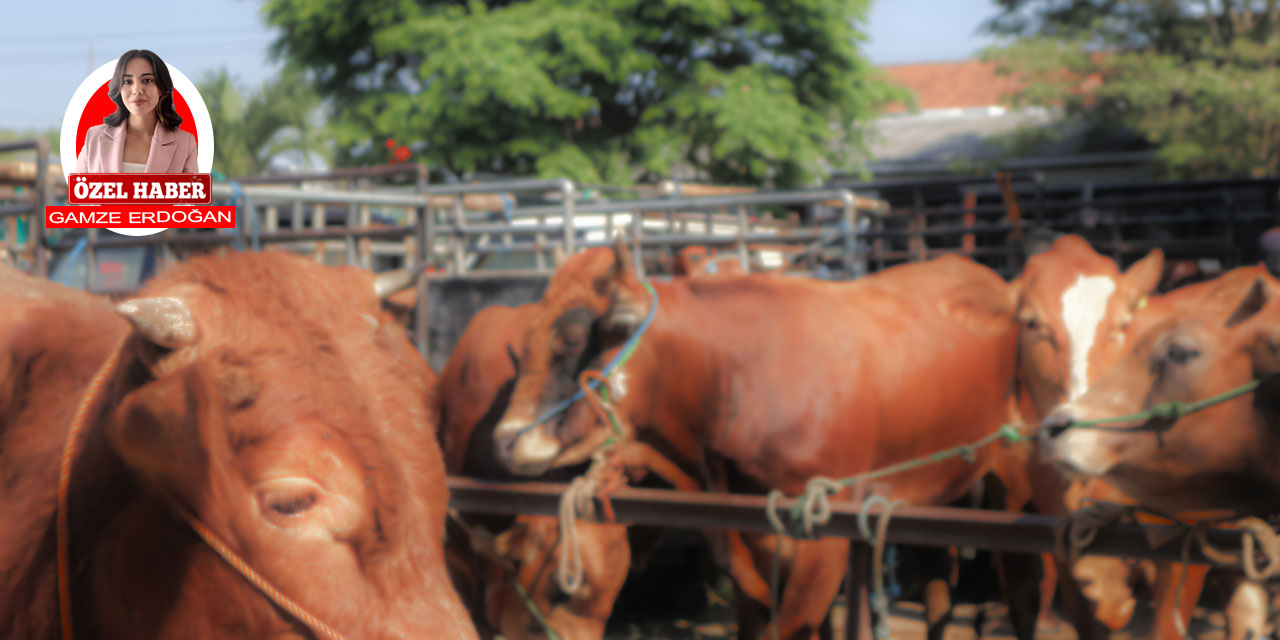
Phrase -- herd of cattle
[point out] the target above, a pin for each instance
(276, 404)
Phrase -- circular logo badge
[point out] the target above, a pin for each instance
(90, 104)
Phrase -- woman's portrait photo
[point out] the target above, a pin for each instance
(142, 136)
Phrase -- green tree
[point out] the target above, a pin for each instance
(596, 90)
(283, 115)
(1197, 80)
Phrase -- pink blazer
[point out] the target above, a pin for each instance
(172, 151)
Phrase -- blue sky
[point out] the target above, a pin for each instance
(48, 46)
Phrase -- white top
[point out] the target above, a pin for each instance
(133, 167)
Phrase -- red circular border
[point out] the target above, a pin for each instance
(100, 106)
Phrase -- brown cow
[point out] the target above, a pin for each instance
(811, 378)
(1167, 361)
(474, 389)
(474, 384)
(1074, 312)
(1127, 313)
(1216, 458)
(263, 393)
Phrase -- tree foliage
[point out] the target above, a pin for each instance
(282, 116)
(1198, 80)
(596, 90)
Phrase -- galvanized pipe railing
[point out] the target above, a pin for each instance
(33, 247)
(427, 228)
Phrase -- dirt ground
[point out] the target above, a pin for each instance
(907, 623)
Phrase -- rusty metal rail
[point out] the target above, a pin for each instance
(924, 526)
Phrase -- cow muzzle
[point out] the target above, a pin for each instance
(530, 453)
(1076, 450)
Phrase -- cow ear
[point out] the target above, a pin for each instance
(620, 269)
(1254, 300)
(154, 431)
(623, 265)
(1266, 351)
(1143, 276)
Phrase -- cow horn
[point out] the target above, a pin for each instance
(385, 284)
(163, 321)
(558, 256)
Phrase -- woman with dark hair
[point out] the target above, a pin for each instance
(142, 136)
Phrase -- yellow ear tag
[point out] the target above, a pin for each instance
(1142, 302)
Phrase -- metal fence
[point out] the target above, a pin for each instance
(24, 192)
(457, 227)
(994, 219)
(923, 526)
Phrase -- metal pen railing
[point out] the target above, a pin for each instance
(29, 249)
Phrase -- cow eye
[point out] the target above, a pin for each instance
(1031, 323)
(574, 336)
(294, 505)
(284, 499)
(1179, 354)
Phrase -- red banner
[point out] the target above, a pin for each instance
(140, 216)
(140, 188)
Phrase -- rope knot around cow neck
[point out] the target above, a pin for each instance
(1010, 433)
(1168, 411)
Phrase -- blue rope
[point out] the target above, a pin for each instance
(625, 352)
(71, 259)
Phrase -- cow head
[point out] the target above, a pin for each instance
(533, 545)
(1220, 457)
(593, 303)
(268, 396)
(1074, 307)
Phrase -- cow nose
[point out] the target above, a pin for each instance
(1057, 423)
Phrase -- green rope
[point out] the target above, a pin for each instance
(1169, 411)
(533, 609)
(814, 507)
(613, 414)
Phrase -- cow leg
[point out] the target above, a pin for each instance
(937, 567)
(1168, 575)
(817, 570)
(751, 614)
(1048, 586)
(1019, 577)
(747, 579)
(1077, 607)
(1247, 611)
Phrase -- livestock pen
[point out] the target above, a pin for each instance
(467, 238)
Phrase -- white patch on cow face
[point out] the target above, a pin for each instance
(1080, 450)
(1083, 306)
(617, 385)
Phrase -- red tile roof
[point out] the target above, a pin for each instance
(949, 85)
